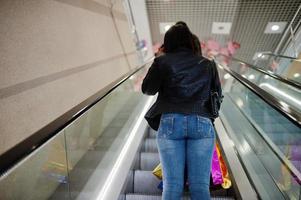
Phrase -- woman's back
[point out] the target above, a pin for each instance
(185, 76)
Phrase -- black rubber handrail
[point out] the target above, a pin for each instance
(287, 81)
(12, 156)
(286, 110)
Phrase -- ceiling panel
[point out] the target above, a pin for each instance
(249, 19)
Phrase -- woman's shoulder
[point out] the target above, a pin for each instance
(203, 60)
(161, 59)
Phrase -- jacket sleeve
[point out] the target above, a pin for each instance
(152, 81)
(217, 80)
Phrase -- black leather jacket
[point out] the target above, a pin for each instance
(183, 81)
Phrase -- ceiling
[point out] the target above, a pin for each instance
(249, 19)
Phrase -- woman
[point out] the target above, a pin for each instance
(182, 114)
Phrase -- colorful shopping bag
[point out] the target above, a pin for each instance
(216, 172)
(226, 178)
(158, 171)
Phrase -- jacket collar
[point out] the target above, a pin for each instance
(183, 49)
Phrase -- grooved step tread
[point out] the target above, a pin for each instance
(157, 197)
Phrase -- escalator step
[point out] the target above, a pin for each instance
(129, 182)
(149, 160)
(150, 145)
(142, 197)
(146, 183)
(156, 197)
(122, 197)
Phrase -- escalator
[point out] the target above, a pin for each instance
(103, 149)
(264, 125)
(141, 184)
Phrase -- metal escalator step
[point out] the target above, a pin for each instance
(149, 160)
(129, 182)
(122, 197)
(142, 197)
(150, 145)
(156, 197)
(146, 183)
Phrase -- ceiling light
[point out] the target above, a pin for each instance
(275, 27)
(266, 76)
(167, 27)
(259, 55)
(296, 75)
(244, 76)
(164, 26)
(221, 27)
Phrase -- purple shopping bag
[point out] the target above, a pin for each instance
(216, 172)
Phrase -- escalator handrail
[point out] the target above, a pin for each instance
(23, 149)
(287, 81)
(288, 112)
(279, 55)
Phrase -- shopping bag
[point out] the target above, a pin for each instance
(158, 171)
(160, 186)
(216, 172)
(226, 178)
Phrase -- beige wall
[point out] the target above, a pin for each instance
(54, 54)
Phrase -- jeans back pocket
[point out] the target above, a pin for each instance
(204, 127)
(166, 125)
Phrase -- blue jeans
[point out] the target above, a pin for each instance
(185, 139)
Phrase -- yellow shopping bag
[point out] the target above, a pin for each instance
(158, 171)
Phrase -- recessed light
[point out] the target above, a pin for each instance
(221, 27)
(164, 26)
(266, 76)
(275, 27)
(296, 75)
(167, 27)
